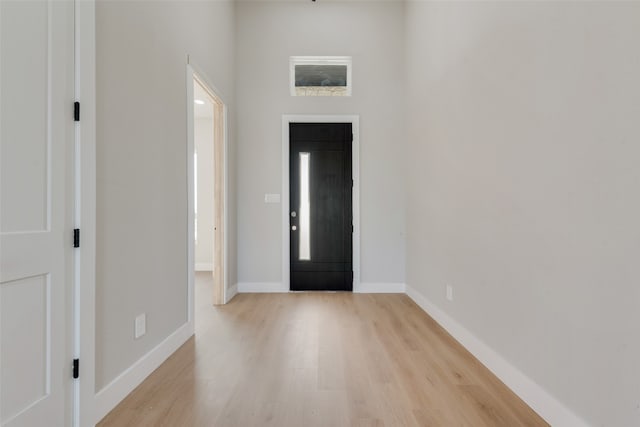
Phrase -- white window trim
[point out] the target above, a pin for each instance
(318, 60)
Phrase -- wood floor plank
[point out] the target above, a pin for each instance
(319, 359)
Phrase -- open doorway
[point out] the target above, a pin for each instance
(207, 188)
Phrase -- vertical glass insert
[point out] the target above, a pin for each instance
(304, 250)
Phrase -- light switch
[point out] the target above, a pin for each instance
(272, 198)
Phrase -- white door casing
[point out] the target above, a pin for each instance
(355, 171)
(36, 210)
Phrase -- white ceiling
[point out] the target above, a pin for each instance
(202, 111)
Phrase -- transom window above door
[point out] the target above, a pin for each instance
(320, 75)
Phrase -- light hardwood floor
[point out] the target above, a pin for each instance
(319, 359)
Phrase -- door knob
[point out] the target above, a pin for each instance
(294, 228)
(293, 214)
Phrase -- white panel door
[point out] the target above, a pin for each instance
(36, 155)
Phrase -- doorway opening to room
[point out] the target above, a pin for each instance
(207, 153)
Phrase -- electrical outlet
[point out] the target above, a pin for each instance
(450, 292)
(140, 325)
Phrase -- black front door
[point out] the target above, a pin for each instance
(321, 219)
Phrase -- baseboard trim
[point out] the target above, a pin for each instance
(548, 407)
(362, 288)
(262, 287)
(203, 266)
(380, 288)
(231, 292)
(114, 392)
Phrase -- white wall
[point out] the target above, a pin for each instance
(142, 165)
(523, 185)
(203, 140)
(268, 33)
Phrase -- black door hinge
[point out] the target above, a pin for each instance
(76, 237)
(351, 137)
(352, 228)
(76, 369)
(76, 111)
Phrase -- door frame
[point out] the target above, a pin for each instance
(355, 171)
(221, 296)
(84, 288)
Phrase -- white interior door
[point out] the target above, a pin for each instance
(36, 143)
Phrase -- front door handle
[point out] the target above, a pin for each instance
(293, 214)
(294, 228)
